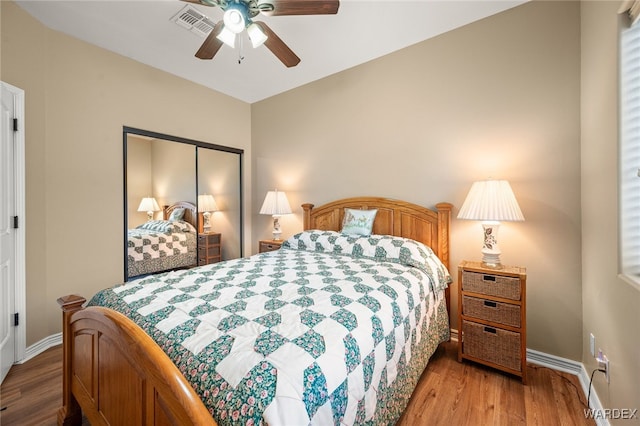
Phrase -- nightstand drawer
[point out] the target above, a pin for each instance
(269, 246)
(489, 310)
(492, 344)
(491, 285)
(206, 239)
(209, 248)
(209, 251)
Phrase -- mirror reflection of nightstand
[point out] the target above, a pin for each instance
(269, 245)
(209, 250)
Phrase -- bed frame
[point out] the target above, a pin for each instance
(114, 373)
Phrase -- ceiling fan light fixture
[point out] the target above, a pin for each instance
(227, 37)
(234, 20)
(256, 35)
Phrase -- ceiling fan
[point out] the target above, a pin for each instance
(239, 14)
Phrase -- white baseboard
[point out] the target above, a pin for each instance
(565, 365)
(41, 346)
(454, 335)
(572, 367)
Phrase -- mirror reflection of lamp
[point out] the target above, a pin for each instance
(276, 204)
(149, 205)
(492, 202)
(206, 205)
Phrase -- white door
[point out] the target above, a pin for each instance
(7, 234)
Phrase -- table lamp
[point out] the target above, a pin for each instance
(276, 204)
(492, 202)
(206, 205)
(149, 205)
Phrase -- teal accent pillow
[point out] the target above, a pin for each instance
(358, 222)
(177, 214)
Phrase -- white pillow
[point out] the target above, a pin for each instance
(359, 222)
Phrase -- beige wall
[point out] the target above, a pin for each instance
(78, 98)
(173, 172)
(611, 307)
(498, 98)
(139, 181)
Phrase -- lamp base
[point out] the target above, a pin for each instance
(206, 226)
(276, 228)
(491, 263)
(490, 250)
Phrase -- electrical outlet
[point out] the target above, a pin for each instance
(603, 364)
(592, 344)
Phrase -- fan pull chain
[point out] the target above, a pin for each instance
(240, 55)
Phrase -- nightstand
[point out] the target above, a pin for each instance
(492, 316)
(269, 245)
(209, 250)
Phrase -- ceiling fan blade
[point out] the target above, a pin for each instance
(211, 44)
(278, 47)
(303, 7)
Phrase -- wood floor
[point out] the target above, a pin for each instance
(449, 393)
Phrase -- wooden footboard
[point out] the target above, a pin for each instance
(115, 374)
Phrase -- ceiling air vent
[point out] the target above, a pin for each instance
(194, 21)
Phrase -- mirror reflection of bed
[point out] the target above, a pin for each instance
(177, 174)
(166, 244)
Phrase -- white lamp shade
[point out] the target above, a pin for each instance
(206, 203)
(491, 200)
(256, 35)
(275, 203)
(148, 204)
(227, 37)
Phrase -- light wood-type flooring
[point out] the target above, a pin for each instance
(449, 393)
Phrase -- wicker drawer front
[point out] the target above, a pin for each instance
(492, 285)
(209, 238)
(503, 313)
(209, 251)
(491, 344)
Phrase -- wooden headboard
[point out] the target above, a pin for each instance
(190, 212)
(394, 217)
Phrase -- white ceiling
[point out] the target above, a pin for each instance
(361, 31)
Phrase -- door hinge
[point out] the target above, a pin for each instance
(15, 124)
(15, 222)
(16, 319)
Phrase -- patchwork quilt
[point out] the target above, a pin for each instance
(330, 329)
(158, 238)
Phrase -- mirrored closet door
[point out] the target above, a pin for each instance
(182, 203)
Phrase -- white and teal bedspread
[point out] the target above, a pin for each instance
(160, 245)
(330, 329)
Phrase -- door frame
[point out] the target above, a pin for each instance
(20, 237)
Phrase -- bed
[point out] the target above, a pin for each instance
(162, 245)
(253, 338)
